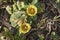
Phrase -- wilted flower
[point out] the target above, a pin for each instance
(5, 38)
(57, 1)
(24, 28)
(31, 10)
(22, 4)
(22, 20)
(8, 8)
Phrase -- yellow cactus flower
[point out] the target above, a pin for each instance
(24, 28)
(31, 10)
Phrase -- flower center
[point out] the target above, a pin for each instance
(31, 10)
(24, 28)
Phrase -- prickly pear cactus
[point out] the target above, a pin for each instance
(15, 17)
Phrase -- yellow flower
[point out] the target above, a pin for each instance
(31, 10)
(24, 28)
